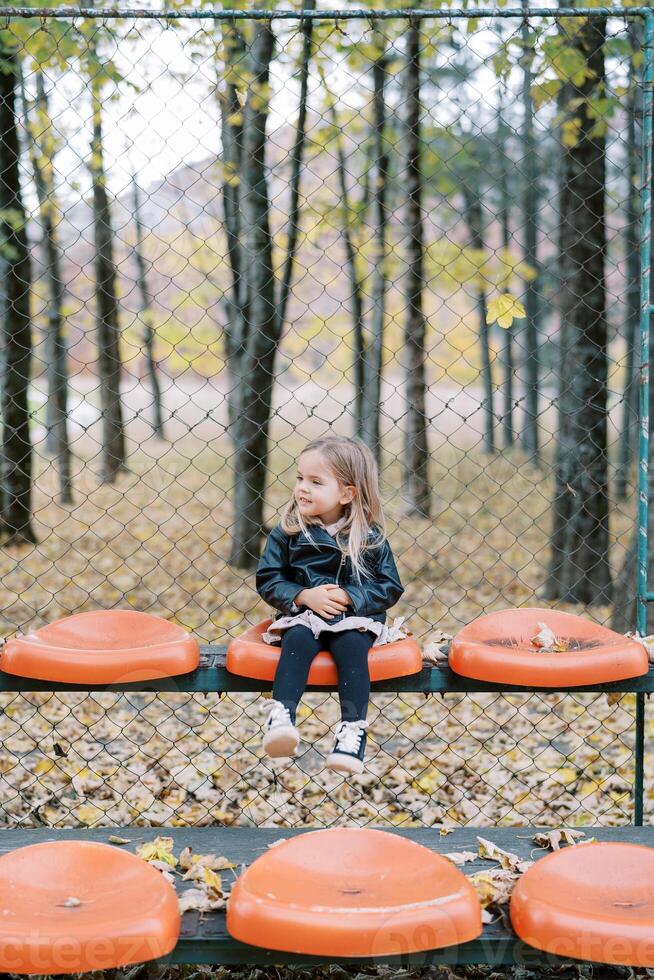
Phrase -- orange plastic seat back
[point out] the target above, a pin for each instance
(102, 647)
(591, 902)
(498, 648)
(74, 905)
(249, 656)
(352, 892)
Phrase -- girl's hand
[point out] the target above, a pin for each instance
(326, 600)
(339, 592)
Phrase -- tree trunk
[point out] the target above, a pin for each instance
(627, 443)
(146, 311)
(296, 160)
(474, 222)
(256, 319)
(505, 224)
(356, 291)
(57, 442)
(530, 436)
(580, 561)
(564, 449)
(108, 330)
(15, 323)
(257, 300)
(416, 488)
(374, 353)
(231, 118)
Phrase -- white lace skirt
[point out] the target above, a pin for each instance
(316, 624)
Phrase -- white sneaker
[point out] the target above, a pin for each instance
(281, 737)
(349, 747)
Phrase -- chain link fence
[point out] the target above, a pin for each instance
(247, 230)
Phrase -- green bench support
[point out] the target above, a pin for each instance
(204, 938)
(213, 676)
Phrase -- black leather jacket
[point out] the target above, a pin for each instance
(290, 563)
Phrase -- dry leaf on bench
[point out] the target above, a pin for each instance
(165, 869)
(200, 900)
(554, 838)
(461, 857)
(196, 864)
(159, 849)
(647, 641)
(509, 861)
(493, 887)
(546, 641)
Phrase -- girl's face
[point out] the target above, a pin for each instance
(317, 491)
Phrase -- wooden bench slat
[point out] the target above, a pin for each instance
(204, 939)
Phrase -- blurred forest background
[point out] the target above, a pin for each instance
(223, 237)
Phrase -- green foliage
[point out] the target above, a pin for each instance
(11, 220)
(545, 91)
(501, 62)
(453, 265)
(182, 345)
(569, 63)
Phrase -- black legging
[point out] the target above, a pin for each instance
(349, 648)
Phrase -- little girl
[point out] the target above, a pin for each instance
(329, 571)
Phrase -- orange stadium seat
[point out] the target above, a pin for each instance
(498, 648)
(113, 646)
(69, 906)
(249, 656)
(590, 901)
(352, 892)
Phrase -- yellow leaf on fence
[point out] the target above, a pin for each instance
(505, 309)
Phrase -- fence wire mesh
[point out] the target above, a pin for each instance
(103, 759)
(223, 237)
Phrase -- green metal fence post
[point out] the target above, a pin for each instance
(643, 407)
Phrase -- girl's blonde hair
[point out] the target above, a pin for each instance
(353, 464)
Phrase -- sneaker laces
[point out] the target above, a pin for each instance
(278, 713)
(348, 736)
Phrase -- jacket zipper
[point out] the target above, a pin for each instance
(330, 542)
